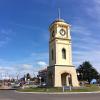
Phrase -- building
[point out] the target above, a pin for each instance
(43, 75)
(60, 71)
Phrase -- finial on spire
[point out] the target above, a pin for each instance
(58, 13)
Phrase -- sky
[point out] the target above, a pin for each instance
(24, 34)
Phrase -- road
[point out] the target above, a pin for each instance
(12, 95)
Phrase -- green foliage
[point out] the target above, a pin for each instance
(87, 72)
(28, 76)
(91, 88)
(98, 80)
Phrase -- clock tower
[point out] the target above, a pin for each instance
(60, 70)
(60, 43)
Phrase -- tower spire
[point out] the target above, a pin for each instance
(58, 13)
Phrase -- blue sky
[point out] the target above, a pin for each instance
(24, 32)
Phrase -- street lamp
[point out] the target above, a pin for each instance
(77, 72)
(40, 79)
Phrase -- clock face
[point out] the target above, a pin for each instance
(62, 32)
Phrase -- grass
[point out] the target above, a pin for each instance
(90, 88)
(37, 89)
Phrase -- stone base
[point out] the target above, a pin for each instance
(57, 74)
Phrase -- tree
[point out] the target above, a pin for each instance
(28, 76)
(98, 80)
(87, 72)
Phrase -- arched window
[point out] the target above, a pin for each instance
(52, 54)
(64, 53)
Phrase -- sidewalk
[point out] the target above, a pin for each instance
(95, 92)
(6, 88)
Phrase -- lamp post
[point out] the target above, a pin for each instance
(78, 75)
(82, 79)
(69, 82)
(99, 80)
(40, 79)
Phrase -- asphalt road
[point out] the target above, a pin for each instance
(12, 95)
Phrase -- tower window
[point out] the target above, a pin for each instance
(52, 54)
(64, 53)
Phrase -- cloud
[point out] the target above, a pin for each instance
(6, 69)
(93, 10)
(42, 64)
(85, 44)
(81, 29)
(7, 72)
(12, 69)
(26, 26)
(40, 56)
(93, 56)
(19, 69)
(31, 64)
(86, 47)
(26, 66)
(5, 36)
